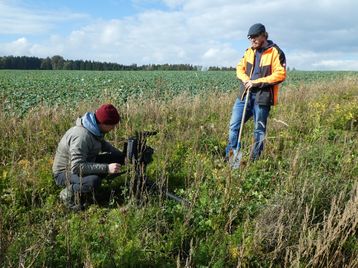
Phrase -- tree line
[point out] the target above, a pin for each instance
(59, 63)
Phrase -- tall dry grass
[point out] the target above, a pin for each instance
(295, 207)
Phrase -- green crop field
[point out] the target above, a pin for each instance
(25, 89)
(22, 90)
(296, 206)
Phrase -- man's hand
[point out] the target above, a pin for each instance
(113, 168)
(248, 84)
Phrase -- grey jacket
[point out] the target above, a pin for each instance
(77, 151)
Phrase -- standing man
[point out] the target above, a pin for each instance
(83, 158)
(260, 70)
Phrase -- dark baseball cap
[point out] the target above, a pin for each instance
(256, 29)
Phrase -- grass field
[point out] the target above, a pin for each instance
(295, 207)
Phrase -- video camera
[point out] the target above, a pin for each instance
(136, 149)
(138, 155)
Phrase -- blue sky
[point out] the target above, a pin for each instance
(315, 35)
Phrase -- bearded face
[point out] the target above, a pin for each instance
(257, 41)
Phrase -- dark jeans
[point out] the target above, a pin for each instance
(88, 183)
(260, 114)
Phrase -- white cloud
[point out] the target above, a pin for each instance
(228, 55)
(17, 19)
(76, 38)
(18, 47)
(173, 3)
(211, 53)
(313, 35)
(325, 60)
(342, 65)
(22, 46)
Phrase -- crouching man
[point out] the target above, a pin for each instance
(83, 158)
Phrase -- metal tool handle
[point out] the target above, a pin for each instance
(243, 116)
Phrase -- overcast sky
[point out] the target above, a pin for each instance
(314, 34)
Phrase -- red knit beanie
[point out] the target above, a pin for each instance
(107, 114)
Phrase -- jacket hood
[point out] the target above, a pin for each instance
(269, 44)
(88, 121)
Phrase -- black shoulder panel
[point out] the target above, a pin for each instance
(281, 55)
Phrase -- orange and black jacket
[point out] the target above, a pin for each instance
(272, 72)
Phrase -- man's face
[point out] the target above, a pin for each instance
(106, 128)
(257, 41)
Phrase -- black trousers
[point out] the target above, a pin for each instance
(88, 183)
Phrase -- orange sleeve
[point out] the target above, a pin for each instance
(241, 69)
